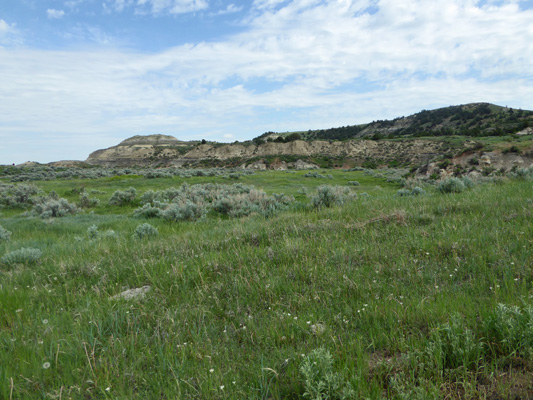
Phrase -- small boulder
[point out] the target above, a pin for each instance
(259, 165)
(300, 164)
(485, 160)
(133, 294)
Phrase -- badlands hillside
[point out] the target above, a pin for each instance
(473, 134)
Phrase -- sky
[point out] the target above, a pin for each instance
(81, 75)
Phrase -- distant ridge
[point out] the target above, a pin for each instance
(474, 119)
(156, 140)
(357, 144)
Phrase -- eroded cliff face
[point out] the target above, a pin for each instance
(157, 150)
(151, 150)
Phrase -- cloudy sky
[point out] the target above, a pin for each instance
(80, 75)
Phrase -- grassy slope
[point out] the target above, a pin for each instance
(473, 120)
(232, 300)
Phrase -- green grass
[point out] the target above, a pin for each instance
(233, 301)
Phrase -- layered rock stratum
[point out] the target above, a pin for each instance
(159, 150)
(346, 145)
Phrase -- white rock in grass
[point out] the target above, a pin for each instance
(133, 294)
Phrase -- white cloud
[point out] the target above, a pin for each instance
(230, 9)
(92, 34)
(267, 4)
(119, 5)
(9, 34)
(305, 64)
(158, 6)
(73, 4)
(4, 27)
(55, 14)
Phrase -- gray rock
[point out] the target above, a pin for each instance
(133, 294)
(300, 164)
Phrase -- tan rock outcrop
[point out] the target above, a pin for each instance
(160, 150)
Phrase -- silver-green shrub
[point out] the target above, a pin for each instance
(148, 197)
(185, 210)
(52, 173)
(522, 173)
(17, 196)
(454, 345)
(123, 197)
(54, 208)
(25, 256)
(109, 234)
(403, 192)
(319, 379)
(251, 202)
(87, 202)
(329, 196)
(5, 235)
(92, 232)
(315, 174)
(145, 230)
(149, 211)
(451, 185)
(192, 202)
(416, 191)
(510, 330)
(468, 182)
(24, 193)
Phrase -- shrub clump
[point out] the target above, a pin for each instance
(451, 185)
(17, 196)
(149, 211)
(123, 197)
(454, 346)
(5, 235)
(185, 210)
(320, 381)
(416, 191)
(522, 173)
(507, 332)
(193, 202)
(403, 192)
(41, 173)
(25, 256)
(87, 202)
(50, 208)
(510, 329)
(145, 230)
(329, 196)
(92, 232)
(315, 174)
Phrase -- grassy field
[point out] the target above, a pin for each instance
(382, 297)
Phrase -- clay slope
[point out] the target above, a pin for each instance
(150, 151)
(142, 151)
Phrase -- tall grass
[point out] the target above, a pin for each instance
(416, 297)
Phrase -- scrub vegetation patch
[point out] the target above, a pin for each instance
(347, 284)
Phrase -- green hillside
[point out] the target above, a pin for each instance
(475, 120)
